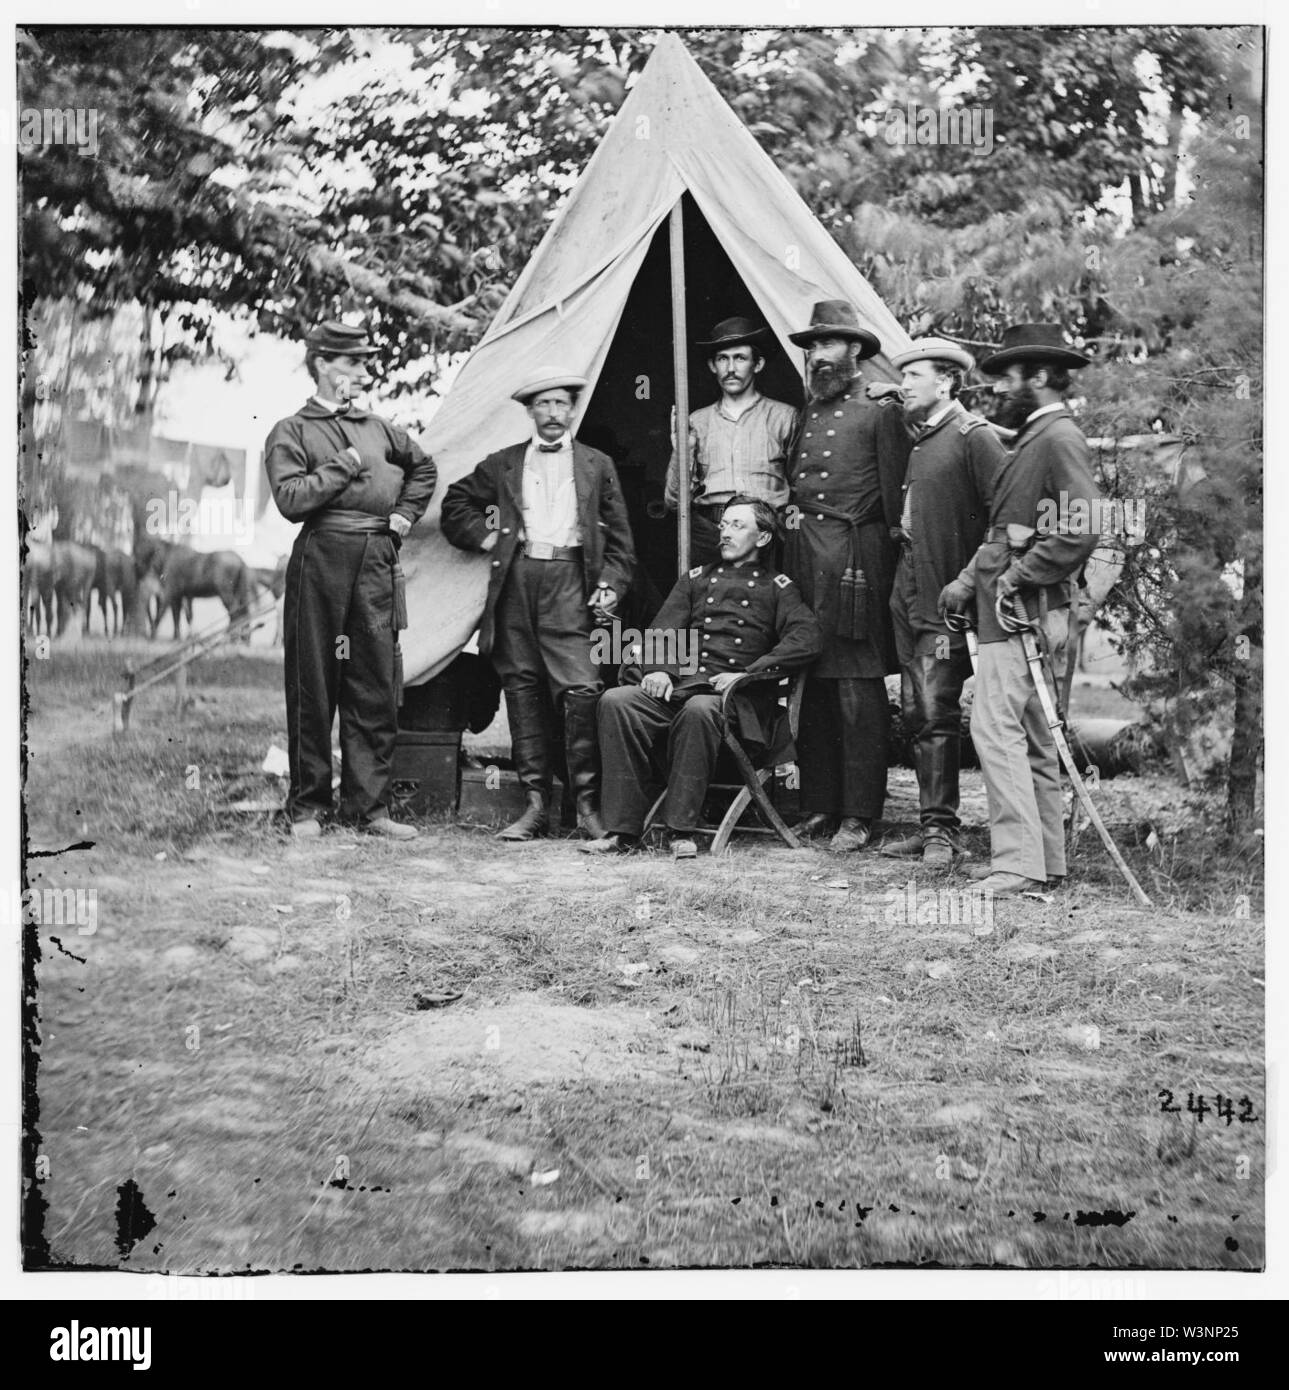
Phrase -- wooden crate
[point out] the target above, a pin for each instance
(426, 772)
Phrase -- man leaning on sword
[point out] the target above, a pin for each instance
(1027, 565)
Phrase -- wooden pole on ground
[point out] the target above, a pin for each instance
(680, 367)
(121, 702)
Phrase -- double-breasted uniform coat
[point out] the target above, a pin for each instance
(718, 618)
(846, 478)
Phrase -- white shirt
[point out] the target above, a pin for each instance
(1044, 410)
(550, 495)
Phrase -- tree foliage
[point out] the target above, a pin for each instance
(410, 173)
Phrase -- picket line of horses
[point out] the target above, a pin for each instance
(134, 592)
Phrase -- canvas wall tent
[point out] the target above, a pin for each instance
(595, 297)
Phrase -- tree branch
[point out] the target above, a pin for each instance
(452, 317)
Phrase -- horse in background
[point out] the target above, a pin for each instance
(38, 572)
(186, 574)
(73, 575)
(115, 584)
(149, 604)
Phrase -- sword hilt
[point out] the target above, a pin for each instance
(1005, 609)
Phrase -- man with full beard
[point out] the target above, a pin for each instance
(947, 496)
(846, 477)
(1048, 475)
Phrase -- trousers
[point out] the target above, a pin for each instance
(339, 654)
(934, 666)
(842, 746)
(1020, 764)
(644, 741)
(543, 630)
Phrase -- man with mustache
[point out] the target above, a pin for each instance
(1048, 473)
(739, 446)
(846, 478)
(720, 622)
(550, 512)
(359, 485)
(947, 495)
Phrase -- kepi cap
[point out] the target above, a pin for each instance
(336, 339)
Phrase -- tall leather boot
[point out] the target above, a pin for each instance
(938, 778)
(530, 748)
(582, 754)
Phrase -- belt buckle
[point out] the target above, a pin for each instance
(541, 550)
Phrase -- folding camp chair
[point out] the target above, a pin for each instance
(750, 789)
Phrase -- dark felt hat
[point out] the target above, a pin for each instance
(336, 339)
(734, 332)
(836, 318)
(1043, 343)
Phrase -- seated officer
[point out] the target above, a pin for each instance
(721, 621)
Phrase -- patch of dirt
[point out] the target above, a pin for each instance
(524, 1040)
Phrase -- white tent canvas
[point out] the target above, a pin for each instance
(674, 136)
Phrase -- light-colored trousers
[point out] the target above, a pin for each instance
(1020, 764)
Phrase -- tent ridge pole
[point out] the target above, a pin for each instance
(680, 367)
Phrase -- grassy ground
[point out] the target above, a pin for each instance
(765, 1059)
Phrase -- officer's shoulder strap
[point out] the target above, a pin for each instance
(971, 422)
(696, 572)
(782, 580)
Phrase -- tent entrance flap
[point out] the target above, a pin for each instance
(629, 413)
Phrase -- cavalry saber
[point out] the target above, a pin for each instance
(960, 622)
(1025, 627)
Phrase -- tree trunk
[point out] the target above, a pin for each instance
(147, 366)
(1170, 158)
(1247, 740)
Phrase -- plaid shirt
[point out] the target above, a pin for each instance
(748, 455)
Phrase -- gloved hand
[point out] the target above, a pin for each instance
(956, 597)
(1008, 583)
